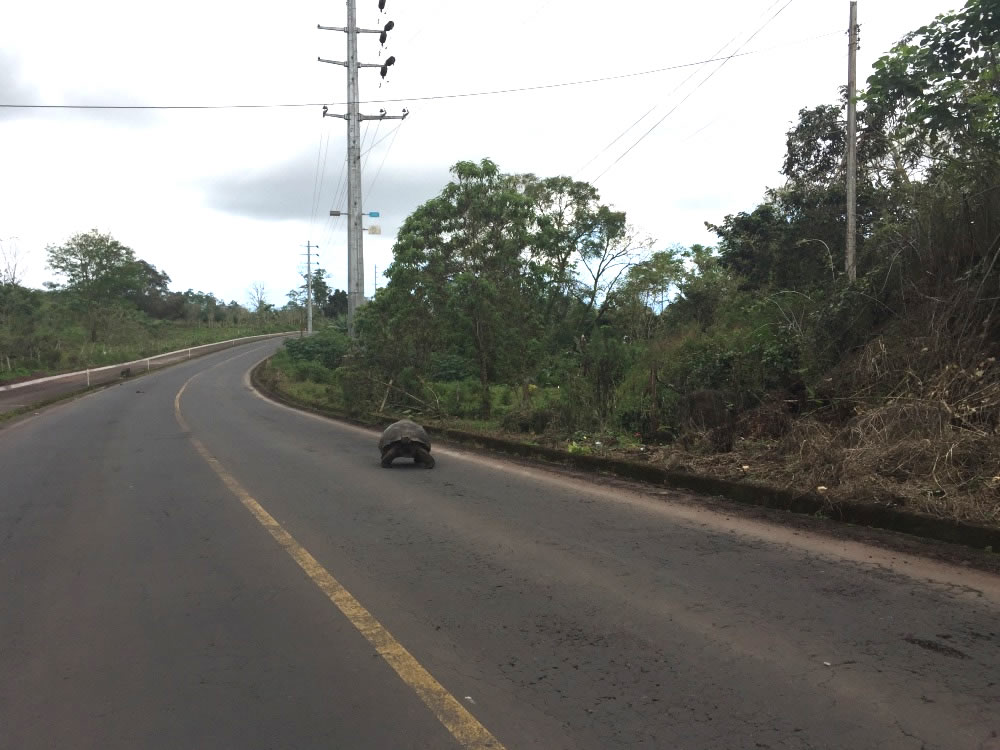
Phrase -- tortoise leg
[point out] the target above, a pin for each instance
(388, 457)
(423, 456)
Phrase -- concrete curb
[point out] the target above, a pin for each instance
(854, 512)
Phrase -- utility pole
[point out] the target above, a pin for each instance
(850, 260)
(309, 286)
(355, 251)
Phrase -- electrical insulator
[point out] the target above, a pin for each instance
(381, 4)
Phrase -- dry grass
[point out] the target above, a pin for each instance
(921, 454)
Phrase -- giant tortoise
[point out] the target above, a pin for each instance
(406, 439)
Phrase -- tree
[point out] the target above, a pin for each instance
(938, 90)
(610, 249)
(11, 263)
(565, 218)
(320, 289)
(99, 273)
(642, 295)
(933, 104)
(149, 287)
(336, 304)
(323, 299)
(458, 279)
(704, 286)
(794, 239)
(257, 294)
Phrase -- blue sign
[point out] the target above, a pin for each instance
(373, 214)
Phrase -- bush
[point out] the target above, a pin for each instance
(356, 387)
(447, 367)
(311, 371)
(327, 347)
(459, 398)
(535, 420)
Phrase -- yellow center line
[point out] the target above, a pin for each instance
(462, 725)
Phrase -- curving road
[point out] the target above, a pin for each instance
(187, 565)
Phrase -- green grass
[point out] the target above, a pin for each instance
(137, 343)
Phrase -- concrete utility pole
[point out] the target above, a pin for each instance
(309, 286)
(850, 260)
(355, 251)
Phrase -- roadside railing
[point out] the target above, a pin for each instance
(27, 392)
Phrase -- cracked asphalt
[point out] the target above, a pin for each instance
(141, 605)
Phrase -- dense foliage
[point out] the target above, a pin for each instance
(528, 301)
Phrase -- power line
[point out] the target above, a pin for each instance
(677, 88)
(371, 186)
(341, 186)
(691, 93)
(651, 109)
(160, 106)
(312, 205)
(322, 176)
(331, 221)
(437, 97)
(383, 138)
(317, 182)
(367, 154)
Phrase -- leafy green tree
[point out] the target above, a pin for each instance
(320, 291)
(794, 239)
(937, 92)
(100, 273)
(645, 292)
(458, 279)
(149, 287)
(705, 286)
(21, 312)
(336, 304)
(565, 219)
(609, 251)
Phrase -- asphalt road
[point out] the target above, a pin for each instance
(217, 571)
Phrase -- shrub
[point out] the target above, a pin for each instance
(526, 419)
(356, 387)
(447, 367)
(311, 371)
(327, 347)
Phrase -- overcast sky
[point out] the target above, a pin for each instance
(223, 198)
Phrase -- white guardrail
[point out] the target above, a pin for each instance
(55, 384)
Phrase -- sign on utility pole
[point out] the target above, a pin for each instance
(355, 251)
(850, 260)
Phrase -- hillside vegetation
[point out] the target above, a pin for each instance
(523, 304)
